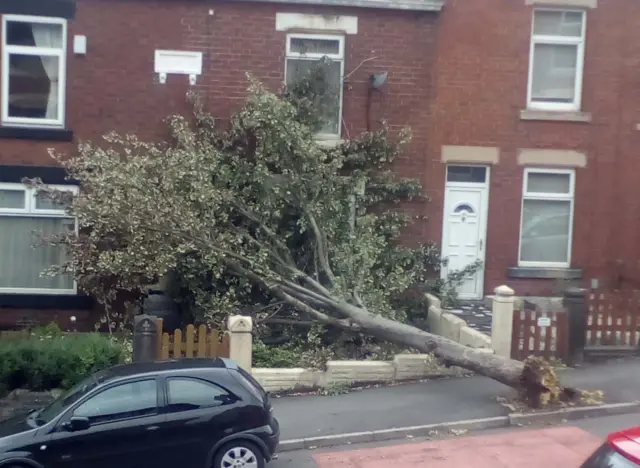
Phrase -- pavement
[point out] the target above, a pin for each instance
(554, 447)
(435, 401)
(562, 446)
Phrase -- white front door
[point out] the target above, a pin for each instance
(465, 225)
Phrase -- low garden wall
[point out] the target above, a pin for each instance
(450, 326)
(403, 367)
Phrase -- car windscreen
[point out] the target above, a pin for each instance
(65, 400)
(607, 457)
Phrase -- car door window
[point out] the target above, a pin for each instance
(129, 400)
(187, 394)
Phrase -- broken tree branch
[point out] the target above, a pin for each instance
(352, 72)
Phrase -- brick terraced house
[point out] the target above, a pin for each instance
(536, 100)
(521, 110)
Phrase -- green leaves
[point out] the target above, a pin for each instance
(249, 214)
(46, 360)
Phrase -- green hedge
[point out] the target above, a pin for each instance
(48, 359)
(274, 356)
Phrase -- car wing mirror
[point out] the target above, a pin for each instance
(77, 423)
(226, 399)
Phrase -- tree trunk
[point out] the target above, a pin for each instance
(535, 380)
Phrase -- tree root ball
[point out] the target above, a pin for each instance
(540, 386)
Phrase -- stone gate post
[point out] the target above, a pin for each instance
(241, 340)
(502, 321)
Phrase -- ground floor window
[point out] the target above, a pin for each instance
(547, 218)
(25, 219)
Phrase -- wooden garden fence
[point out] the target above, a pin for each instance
(613, 320)
(192, 342)
(539, 334)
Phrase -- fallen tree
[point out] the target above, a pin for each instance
(261, 210)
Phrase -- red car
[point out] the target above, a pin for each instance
(621, 450)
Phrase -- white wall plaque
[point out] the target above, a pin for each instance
(178, 62)
(80, 45)
(544, 322)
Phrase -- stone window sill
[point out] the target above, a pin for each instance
(41, 134)
(531, 114)
(544, 273)
(326, 142)
(564, 3)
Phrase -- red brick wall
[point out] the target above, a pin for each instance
(483, 59)
(456, 78)
(114, 86)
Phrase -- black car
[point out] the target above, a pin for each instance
(190, 413)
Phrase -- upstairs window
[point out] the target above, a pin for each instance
(556, 60)
(303, 53)
(25, 219)
(33, 71)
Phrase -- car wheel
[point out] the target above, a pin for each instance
(239, 454)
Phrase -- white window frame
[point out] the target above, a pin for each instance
(558, 40)
(60, 53)
(339, 57)
(570, 197)
(30, 211)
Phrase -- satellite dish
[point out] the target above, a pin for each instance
(379, 79)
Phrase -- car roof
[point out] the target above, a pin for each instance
(627, 442)
(160, 367)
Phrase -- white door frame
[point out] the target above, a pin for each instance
(482, 219)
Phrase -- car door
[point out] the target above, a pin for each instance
(124, 419)
(198, 414)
